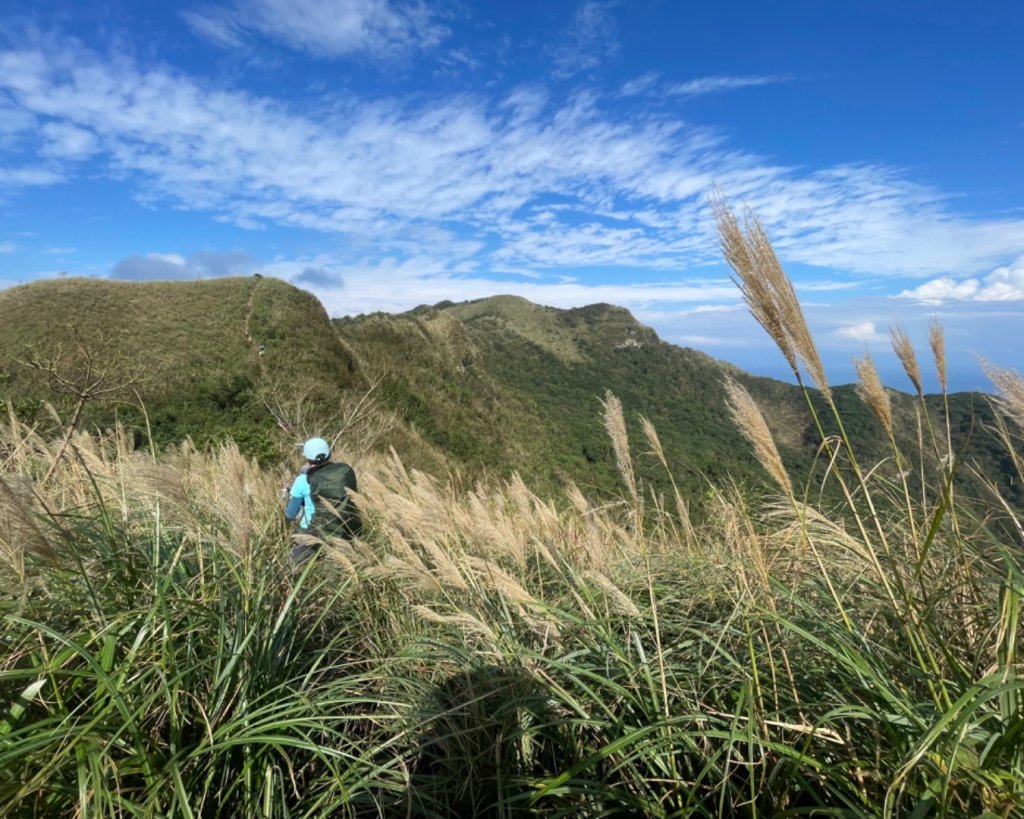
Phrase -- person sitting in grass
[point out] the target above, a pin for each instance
(319, 498)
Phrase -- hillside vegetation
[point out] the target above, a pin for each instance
(502, 384)
(202, 357)
(489, 387)
(840, 641)
(494, 653)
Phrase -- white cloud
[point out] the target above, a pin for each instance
(392, 285)
(216, 25)
(59, 251)
(590, 40)
(7, 247)
(329, 28)
(67, 141)
(711, 341)
(861, 331)
(712, 85)
(826, 286)
(531, 181)
(26, 177)
(711, 308)
(15, 123)
(1002, 284)
(169, 258)
(640, 85)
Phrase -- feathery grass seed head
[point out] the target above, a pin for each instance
(615, 424)
(872, 393)
(767, 290)
(1010, 384)
(905, 353)
(755, 429)
(937, 340)
(755, 288)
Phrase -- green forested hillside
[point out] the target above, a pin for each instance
(491, 386)
(505, 384)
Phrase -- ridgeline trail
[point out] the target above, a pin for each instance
(247, 327)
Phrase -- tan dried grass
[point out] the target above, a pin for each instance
(937, 340)
(905, 353)
(1010, 385)
(687, 532)
(503, 582)
(615, 425)
(767, 290)
(618, 599)
(463, 620)
(871, 392)
(20, 535)
(751, 423)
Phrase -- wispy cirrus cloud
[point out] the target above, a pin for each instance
(531, 180)
(716, 84)
(327, 28)
(640, 85)
(589, 41)
(8, 247)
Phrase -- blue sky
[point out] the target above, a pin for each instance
(388, 153)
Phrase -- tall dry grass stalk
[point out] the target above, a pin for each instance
(767, 290)
(757, 290)
(682, 508)
(1011, 392)
(615, 425)
(905, 353)
(751, 423)
(937, 341)
(219, 491)
(467, 544)
(872, 393)
(20, 534)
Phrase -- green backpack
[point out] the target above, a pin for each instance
(331, 483)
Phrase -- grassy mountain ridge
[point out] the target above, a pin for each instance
(199, 353)
(180, 329)
(493, 385)
(506, 384)
(519, 385)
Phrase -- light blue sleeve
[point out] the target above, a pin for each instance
(300, 491)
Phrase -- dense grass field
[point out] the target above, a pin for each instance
(484, 651)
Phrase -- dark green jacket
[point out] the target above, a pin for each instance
(335, 513)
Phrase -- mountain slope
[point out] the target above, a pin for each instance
(200, 354)
(504, 384)
(507, 384)
(494, 385)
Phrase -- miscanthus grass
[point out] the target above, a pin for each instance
(486, 651)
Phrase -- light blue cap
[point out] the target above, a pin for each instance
(316, 449)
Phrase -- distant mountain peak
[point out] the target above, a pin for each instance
(564, 333)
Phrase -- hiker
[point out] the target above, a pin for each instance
(319, 498)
